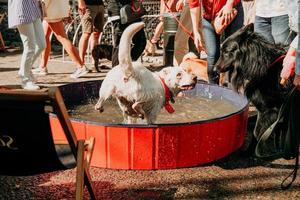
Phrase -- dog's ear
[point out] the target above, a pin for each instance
(243, 33)
(249, 28)
(240, 35)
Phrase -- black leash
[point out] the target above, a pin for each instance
(289, 101)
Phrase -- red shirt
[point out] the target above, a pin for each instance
(211, 7)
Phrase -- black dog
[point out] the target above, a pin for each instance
(255, 64)
(101, 51)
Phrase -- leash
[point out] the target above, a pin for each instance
(283, 109)
(177, 20)
(168, 97)
(271, 129)
(280, 58)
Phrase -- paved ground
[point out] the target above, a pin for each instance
(234, 177)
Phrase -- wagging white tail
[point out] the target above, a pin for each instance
(139, 92)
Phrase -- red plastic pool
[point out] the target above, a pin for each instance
(162, 146)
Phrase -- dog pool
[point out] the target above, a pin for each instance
(166, 145)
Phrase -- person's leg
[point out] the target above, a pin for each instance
(139, 44)
(27, 36)
(117, 36)
(87, 29)
(98, 23)
(46, 52)
(39, 38)
(280, 29)
(58, 29)
(212, 43)
(157, 32)
(262, 26)
(83, 45)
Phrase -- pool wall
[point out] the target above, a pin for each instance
(161, 146)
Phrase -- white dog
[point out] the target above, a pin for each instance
(141, 93)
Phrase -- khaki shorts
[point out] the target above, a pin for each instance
(93, 19)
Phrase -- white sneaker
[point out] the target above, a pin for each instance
(40, 71)
(81, 71)
(29, 85)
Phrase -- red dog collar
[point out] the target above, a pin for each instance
(168, 97)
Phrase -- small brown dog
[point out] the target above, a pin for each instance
(193, 65)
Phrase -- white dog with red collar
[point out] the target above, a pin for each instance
(139, 92)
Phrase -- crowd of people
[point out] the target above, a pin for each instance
(276, 20)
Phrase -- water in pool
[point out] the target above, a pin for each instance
(187, 109)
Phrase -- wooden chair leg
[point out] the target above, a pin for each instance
(83, 175)
(80, 170)
(89, 147)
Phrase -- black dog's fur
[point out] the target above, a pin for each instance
(251, 57)
(101, 51)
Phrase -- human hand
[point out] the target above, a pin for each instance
(288, 69)
(226, 13)
(198, 42)
(297, 81)
(81, 7)
(179, 5)
(289, 63)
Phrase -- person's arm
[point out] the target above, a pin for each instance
(289, 62)
(81, 7)
(195, 11)
(297, 68)
(179, 5)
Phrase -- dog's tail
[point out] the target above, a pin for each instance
(125, 47)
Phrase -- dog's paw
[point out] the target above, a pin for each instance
(99, 108)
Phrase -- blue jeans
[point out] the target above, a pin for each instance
(275, 29)
(212, 41)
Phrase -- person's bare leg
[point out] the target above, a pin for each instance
(46, 53)
(158, 30)
(58, 29)
(83, 45)
(95, 40)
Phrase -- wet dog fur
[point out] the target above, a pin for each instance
(251, 57)
(138, 91)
